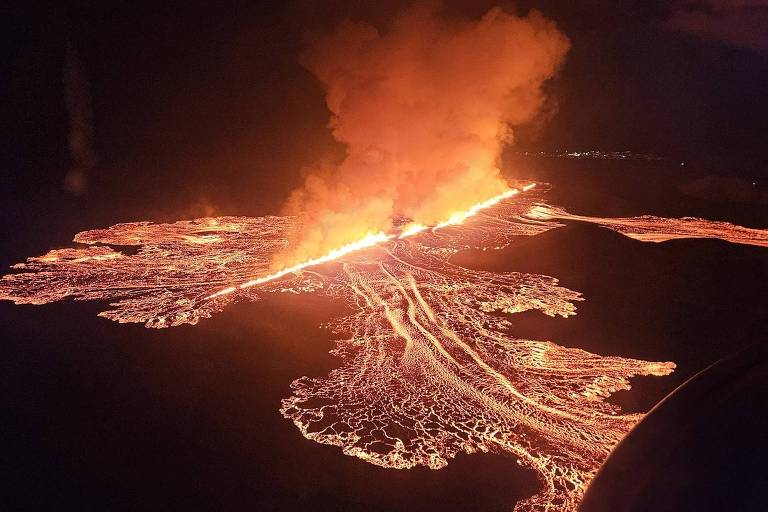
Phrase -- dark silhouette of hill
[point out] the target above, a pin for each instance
(701, 449)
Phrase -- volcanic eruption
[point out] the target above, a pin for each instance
(430, 364)
(423, 109)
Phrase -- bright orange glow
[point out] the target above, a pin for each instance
(423, 106)
(412, 229)
(370, 240)
(460, 217)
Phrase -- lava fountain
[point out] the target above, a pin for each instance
(430, 366)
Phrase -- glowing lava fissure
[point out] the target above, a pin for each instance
(372, 239)
(430, 366)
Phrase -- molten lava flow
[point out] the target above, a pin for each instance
(648, 228)
(430, 363)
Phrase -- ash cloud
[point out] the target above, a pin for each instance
(424, 109)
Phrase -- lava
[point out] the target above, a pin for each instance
(648, 228)
(370, 240)
(430, 365)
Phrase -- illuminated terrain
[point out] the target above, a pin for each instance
(430, 365)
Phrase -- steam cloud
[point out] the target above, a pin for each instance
(424, 109)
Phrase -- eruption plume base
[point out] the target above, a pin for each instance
(372, 239)
(423, 107)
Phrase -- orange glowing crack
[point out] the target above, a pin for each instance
(372, 239)
(369, 240)
(460, 217)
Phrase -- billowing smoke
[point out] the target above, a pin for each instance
(424, 109)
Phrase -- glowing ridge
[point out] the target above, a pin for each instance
(412, 229)
(460, 217)
(370, 240)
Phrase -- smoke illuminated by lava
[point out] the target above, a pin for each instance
(423, 109)
(430, 363)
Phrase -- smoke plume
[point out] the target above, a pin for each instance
(424, 109)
